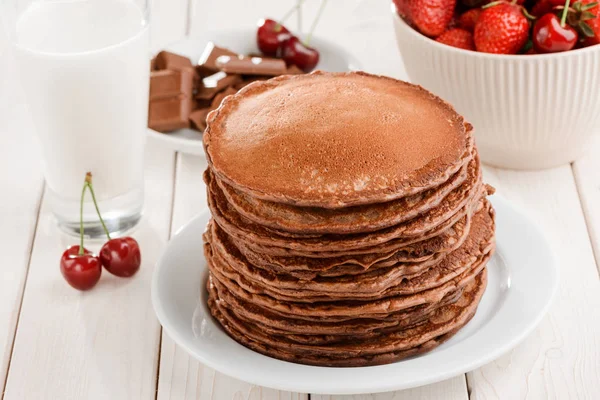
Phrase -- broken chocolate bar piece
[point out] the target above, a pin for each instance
(294, 70)
(182, 95)
(203, 72)
(169, 113)
(169, 83)
(198, 118)
(168, 60)
(200, 103)
(211, 53)
(211, 85)
(251, 65)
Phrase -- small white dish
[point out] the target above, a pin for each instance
(522, 280)
(333, 58)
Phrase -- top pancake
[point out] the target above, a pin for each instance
(334, 140)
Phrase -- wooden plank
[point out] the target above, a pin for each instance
(451, 389)
(587, 178)
(180, 376)
(22, 184)
(560, 360)
(98, 344)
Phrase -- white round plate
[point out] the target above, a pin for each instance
(522, 279)
(333, 58)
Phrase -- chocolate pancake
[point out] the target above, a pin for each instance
(417, 229)
(413, 260)
(349, 221)
(285, 218)
(307, 332)
(372, 351)
(334, 140)
(346, 309)
(402, 251)
(360, 326)
(375, 284)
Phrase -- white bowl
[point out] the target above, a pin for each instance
(529, 112)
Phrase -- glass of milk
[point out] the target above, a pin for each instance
(84, 67)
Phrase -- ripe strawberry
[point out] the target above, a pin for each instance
(468, 19)
(457, 38)
(501, 29)
(430, 17)
(592, 23)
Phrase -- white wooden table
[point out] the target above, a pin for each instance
(57, 343)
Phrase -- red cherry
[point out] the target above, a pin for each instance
(81, 271)
(550, 37)
(121, 256)
(293, 51)
(270, 35)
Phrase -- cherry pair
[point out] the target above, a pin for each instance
(120, 256)
(275, 40)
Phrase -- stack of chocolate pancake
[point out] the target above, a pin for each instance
(350, 222)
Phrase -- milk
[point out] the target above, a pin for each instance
(84, 66)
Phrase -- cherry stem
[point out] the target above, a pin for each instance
(290, 12)
(88, 183)
(492, 4)
(563, 18)
(81, 232)
(315, 22)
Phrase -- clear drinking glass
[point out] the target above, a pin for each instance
(84, 68)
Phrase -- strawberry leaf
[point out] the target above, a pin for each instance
(586, 29)
(586, 15)
(588, 6)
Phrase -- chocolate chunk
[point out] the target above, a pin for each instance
(169, 113)
(211, 53)
(216, 102)
(251, 65)
(211, 85)
(169, 83)
(198, 119)
(203, 71)
(168, 60)
(201, 103)
(294, 70)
